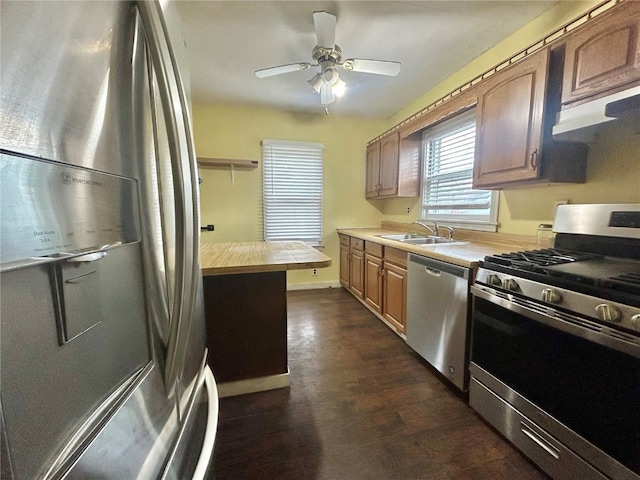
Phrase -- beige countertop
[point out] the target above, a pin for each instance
(256, 257)
(466, 254)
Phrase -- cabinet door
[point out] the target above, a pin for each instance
(389, 158)
(356, 272)
(344, 266)
(373, 282)
(603, 56)
(373, 170)
(509, 129)
(395, 296)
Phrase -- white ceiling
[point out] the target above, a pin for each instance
(228, 40)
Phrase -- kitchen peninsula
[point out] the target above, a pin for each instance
(245, 286)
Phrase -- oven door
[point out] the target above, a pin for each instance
(576, 379)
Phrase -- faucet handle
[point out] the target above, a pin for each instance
(449, 232)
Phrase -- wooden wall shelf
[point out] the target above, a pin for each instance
(228, 162)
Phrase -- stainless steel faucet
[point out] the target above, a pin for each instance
(449, 232)
(433, 230)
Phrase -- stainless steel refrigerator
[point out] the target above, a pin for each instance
(103, 361)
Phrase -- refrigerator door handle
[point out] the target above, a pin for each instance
(211, 428)
(183, 162)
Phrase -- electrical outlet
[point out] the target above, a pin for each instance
(408, 209)
(314, 272)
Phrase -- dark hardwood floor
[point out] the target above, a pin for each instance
(361, 405)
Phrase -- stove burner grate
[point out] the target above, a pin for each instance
(535, 260)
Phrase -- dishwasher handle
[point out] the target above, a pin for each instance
(432, 271)
(436, 267)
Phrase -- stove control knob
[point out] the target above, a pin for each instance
(510, 284)
(494, 280)
(550, 295)
(608, 313)
(635, 322)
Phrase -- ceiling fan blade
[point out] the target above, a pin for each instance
(325, 26)
(379, 67)
(292, 67)
(326, 95)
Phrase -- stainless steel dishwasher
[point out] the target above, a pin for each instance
(438, 315)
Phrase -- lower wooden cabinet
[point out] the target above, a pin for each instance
(395, 296)
(344, 265)
(373, 284)
(378, 276)
(356, 272)
(395, 288)
(352, 264)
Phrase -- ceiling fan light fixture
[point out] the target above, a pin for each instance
(316, 82)
(326, 95)
(330, 75)
(339, 87)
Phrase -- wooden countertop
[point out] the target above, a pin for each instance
(256, 257)
(465, 254)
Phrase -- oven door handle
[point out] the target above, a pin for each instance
(566, 322)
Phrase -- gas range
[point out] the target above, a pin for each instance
(555, 345)
(594, 275)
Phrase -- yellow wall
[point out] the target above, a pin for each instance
(228, 131)
(563, 13)
(613, 176)
(613, 167)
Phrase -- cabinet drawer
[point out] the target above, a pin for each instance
(357, 243)
(344, 239)
(540, 446)
(373, 248)
(397, 256)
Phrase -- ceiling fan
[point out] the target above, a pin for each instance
(328, 56)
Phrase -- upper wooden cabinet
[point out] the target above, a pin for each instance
(389, 161)
(603, 56)
(516, 111)
(509, 127)
(393, 167)
(373, 170)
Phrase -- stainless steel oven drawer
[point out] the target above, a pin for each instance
(543, 449)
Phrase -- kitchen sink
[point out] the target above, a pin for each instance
(421, 240)
(426, 241)
(403, 236)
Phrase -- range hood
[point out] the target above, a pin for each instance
(582, 122)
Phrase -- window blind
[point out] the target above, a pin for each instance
(448, 154)
(292, 191)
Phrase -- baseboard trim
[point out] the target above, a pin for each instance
(252, 385)
(313, 286)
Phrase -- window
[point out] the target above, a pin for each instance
(447, 194)
(292, 191)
